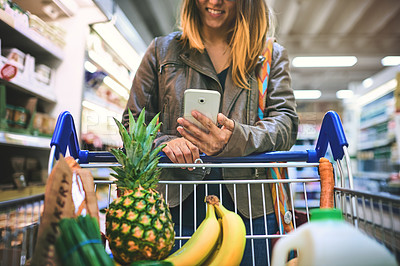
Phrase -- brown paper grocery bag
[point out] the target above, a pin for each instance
(85, 178)
(58, 204)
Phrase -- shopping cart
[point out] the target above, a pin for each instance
(377, 215)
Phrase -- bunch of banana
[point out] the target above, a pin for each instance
(215, 242)
(202, 243)
(231, 249)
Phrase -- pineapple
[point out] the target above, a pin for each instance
(138, 223)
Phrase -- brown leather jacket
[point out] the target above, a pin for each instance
(168, 69)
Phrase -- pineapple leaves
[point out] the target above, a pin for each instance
(150, 130)
(139, 163)
(123, 132)
(119, 155)
(140, 128)
(156, 151)
(132, 124)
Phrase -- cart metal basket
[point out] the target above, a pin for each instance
(376, 215)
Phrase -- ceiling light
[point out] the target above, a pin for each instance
(307, 94)
(391, 61)
(367, 82)
(324, 61)
(51, 10)
(344, 94)
(90, 67)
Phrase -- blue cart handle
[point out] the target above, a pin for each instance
(65, 136)
(331, 133)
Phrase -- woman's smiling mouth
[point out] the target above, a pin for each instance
(214, 12)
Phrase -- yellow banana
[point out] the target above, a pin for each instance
(196, 250)
(215, 251)
(233, 235)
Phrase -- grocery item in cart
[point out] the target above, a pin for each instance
(325, 170)
(215, 242)
(202, 244)
(329, 240)
(139, 224)
(233, 235)
(69, 192)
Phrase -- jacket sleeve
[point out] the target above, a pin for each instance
(277, 131)
(145, 91)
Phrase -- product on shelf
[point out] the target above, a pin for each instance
(57, 34)
(16, 116)
(48, 124)
(43, 123)
(14, 56)
(38, 122)
(20, 117)
(10, 114)
(42, 73)
(50, 31)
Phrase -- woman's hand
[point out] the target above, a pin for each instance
(210, 142)
(181, 150)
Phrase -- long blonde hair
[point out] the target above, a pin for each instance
(247, 38)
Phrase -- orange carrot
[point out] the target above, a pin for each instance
(325, 170)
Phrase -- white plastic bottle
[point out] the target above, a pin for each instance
(329, 240)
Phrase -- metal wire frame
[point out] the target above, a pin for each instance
(250, 236)
(377, 215)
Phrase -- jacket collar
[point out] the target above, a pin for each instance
(201, 62)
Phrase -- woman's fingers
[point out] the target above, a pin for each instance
(181, 151)
(226, 123)
(210, 142)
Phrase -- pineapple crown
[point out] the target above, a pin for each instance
(140, 159)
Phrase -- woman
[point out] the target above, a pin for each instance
(218, 49)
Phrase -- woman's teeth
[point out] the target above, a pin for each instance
(212, 11)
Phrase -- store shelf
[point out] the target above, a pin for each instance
(375, 121)
(42, 92)
(366, 145)
(373, 175)
(27, 39)
(102, 103)
(24, 140)
(13, 194)
(108, 65)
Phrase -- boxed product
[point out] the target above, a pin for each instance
(15, 57)
(38, 119)
(48, 125)
(21, 19)
(42, 73)
(37, 24)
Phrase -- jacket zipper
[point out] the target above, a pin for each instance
(163, 65)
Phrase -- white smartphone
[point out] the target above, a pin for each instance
(204, 101)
